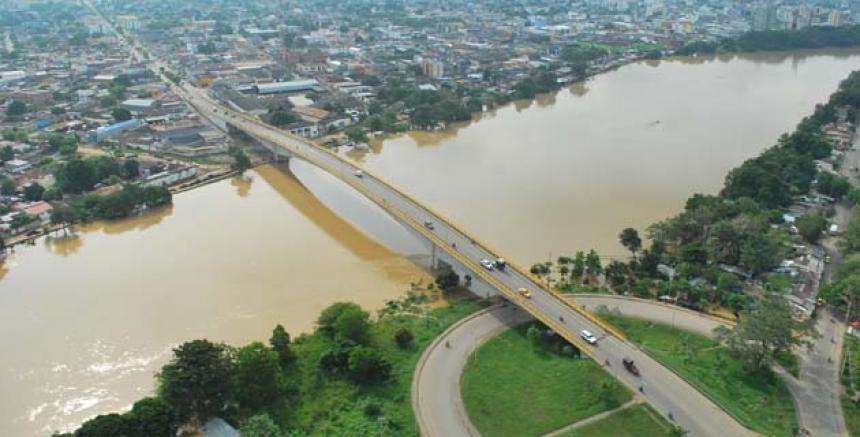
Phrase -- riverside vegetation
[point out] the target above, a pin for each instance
(351, 376)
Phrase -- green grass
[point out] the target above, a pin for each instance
(634, 421)
(788, 360)
(852, 416)
(512, 388)
(851, 377)
(759, 401)
(333, 406)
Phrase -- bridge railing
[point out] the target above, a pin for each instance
(450, 222)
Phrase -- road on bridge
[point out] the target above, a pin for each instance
(669, 394)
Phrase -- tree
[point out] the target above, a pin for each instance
(810, 226)
(760, 253)
(280, 342)
(592, 261)
(241, 162)
(8, 187)
(75, 176)
(282, 118)
(121, 114)
(196, 381)
(356, 135)
(106, 425)
(854, 196)
(33, 192)
(447, 279)
(629, 238)
(832, 185)
(344, 320)
(376, 123)
(353, 324)
(403, 337)
(130, 169)
(260, 425)
(578, 264)
(7, 154)
(153, 417)
(765, 332)
(257, 378)
(367, 365)
(851, 237)
(16, 109)
(107, 101)
(616, 273)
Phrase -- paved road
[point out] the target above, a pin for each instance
(690, 408)
(817, 392)
(436, 392)
(436, 396)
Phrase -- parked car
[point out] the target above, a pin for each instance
(487, 264)
(588, 336)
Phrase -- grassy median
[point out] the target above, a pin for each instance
(761, 402)
(634, 421)
(513, 386)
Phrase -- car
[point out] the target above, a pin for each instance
(588, 337)
(487, 264)
(524, 292)
(428, 224)
(827, 258)
(358, 174)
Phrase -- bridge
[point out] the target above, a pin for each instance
(451, 243)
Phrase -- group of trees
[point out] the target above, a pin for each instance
(122, 203)
(201, 381)
(82, 174)
(252, 384)
(541, 81)
(766, 332)
(773, 40)
(346, 328)
(427, 108)
(241, 161)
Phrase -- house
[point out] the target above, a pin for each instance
(217, 427)
(38, 210)
(17, 166)
(140, 105)
(286, 87)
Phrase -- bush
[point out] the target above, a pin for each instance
(403, 337)
(368, 365)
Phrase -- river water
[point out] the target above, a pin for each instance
(87, 319)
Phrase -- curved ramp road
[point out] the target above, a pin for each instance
(436, 397)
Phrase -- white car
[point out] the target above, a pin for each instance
(588, 337)
(487, 264)
(358, 174)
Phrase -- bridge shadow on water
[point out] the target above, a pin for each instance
(290, 187)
